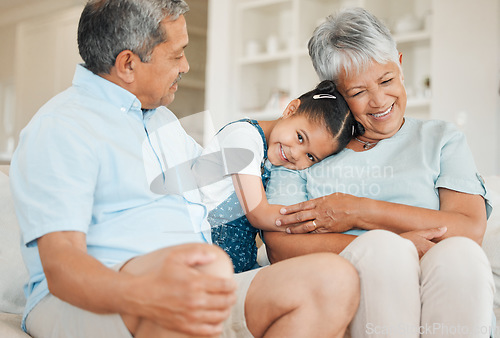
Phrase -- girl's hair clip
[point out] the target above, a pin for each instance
(323, 96)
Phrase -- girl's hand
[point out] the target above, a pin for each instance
(332, 213)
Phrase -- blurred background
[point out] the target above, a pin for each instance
(249, 58)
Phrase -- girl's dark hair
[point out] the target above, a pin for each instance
(319, 105)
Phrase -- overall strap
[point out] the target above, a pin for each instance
(259, 129)
(261, 132)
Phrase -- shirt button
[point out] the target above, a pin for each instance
(123, 109)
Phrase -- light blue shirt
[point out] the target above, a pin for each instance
(92, 161)
(407, 168)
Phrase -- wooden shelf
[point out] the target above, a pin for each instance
(250, 4)
(264, 57)
(415, 36)
(5, 158)
(262, 115)
(256, 75)
(418, 103)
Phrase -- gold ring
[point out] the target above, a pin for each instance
(314, 223)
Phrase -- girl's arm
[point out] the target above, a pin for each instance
(252, 197)
(281, 246)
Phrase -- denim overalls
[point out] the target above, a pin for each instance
(231, 229)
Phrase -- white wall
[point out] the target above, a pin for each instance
(498, 94)
(46, 57)
(7, 90)
(466, 74)
(30, 69)
(219, 76)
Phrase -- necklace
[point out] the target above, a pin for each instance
(366, 145)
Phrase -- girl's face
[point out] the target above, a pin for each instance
(297, 143)
(377, 99)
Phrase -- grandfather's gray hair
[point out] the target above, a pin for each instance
(108, 27)
(350, 41)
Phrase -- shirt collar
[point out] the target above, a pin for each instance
(106, 90)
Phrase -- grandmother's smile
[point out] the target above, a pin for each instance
(380, 115)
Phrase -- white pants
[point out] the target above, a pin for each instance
(448, 293)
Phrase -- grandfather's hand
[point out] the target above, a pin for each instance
(332, 213)
(424, 239)
(184, 297)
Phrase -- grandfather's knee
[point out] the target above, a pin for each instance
(222, 266)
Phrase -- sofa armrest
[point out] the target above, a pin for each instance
(5, 169)
(10, 326)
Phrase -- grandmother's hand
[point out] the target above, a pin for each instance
(424, 239)
(332, 213)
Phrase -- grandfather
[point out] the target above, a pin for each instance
(112, 255)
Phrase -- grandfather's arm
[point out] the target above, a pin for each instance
(78, 278)
(170, 287)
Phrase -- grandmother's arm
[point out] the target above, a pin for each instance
(461, 213)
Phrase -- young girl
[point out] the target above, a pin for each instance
(233, 170)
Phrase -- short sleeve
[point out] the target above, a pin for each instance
(286, 186)
(242, 149)
(237, 149)
(457, 168)
(53, 176)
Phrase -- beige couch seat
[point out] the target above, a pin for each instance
(13, 274)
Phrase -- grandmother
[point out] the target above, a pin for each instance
(403, 202)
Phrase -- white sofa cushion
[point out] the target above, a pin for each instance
(491, 242)
(12, 270)
(10, 326)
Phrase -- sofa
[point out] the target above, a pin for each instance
(13, 274)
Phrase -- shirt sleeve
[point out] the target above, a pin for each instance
(242, 149)
(286, 186)
(457, 168)
(53, 176)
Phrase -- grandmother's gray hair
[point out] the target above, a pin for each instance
(350, 41)
(108, 27)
